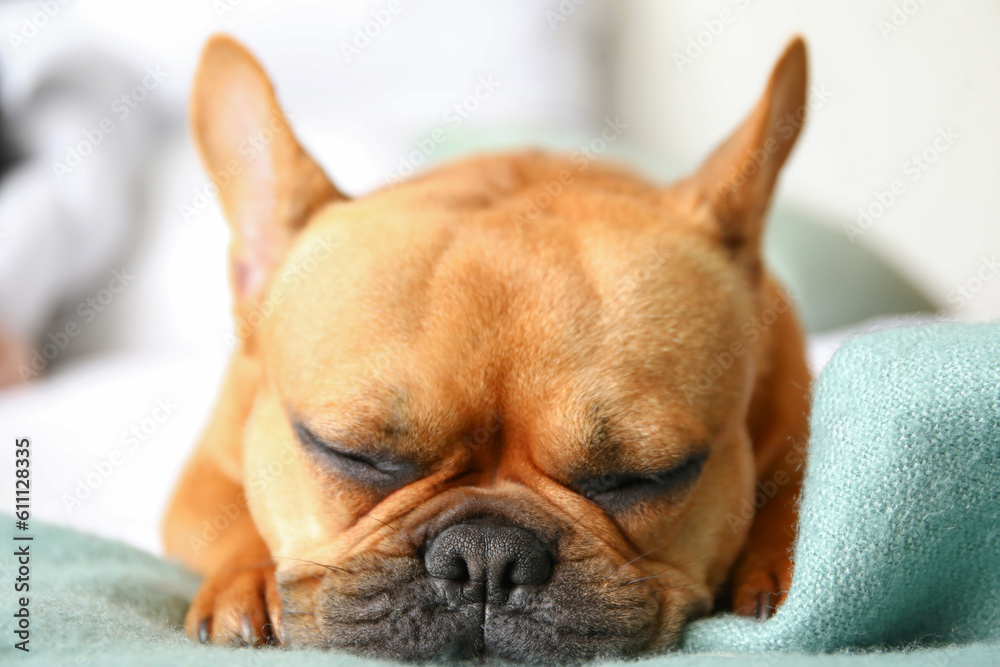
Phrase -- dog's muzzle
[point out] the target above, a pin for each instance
(477, 579)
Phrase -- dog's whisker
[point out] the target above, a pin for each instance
(663, 546)
(573, 525)
(260, 563)
(661, 576)
(375, 518)
(669, 588)
(332, 568)
(667, 569)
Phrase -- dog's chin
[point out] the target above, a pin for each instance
(386, 606)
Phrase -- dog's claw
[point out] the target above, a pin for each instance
(765, 607)
(274, 633)
(235, 607)
(760, 588)
(246, 631)
(203, 634)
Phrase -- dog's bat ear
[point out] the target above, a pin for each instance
(736, 182)
(268, 185)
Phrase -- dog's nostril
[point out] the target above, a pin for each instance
(507, 578)
(532, 567)
(496, 555)
(453, 567)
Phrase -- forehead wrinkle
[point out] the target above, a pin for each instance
(468, 308)
(515, 313)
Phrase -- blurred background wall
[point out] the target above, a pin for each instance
(126, 242)
(890, 77)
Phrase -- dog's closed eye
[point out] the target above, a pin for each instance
(378, 471)
(618, 490)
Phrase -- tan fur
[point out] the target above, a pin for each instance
(503, 352)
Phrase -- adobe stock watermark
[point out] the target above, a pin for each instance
(211, 528)
(786, 127)
(912, 171)
(86, 311)
(102, 470)
(34, 23)
(223, 8)
(711, 30)
(121, 108)
(562, 13)
(248, 150)
(750, 333)
(655, 259)
(899, 16)
(965, 291)
(581, 159)
(366, 33)
(479, 437)
(767, 489)
(227, 513)
(453, 117)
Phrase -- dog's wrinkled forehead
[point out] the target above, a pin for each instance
(443, 307)
(410, 261)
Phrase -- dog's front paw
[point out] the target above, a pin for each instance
(760, 584)
(237, 607)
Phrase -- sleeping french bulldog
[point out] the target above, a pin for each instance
(454, 430)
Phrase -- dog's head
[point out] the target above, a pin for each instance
(482, 423)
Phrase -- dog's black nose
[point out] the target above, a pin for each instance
(488, 559)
